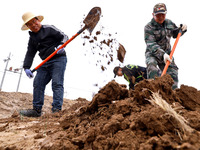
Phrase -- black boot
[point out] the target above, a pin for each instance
(31, 113)
(54, 110)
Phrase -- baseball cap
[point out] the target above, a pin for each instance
(115, 70)
(159, 8)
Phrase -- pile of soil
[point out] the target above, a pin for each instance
(116, 118)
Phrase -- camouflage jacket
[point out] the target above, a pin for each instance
(157, 37)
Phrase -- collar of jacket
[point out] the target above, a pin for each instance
(157, 24)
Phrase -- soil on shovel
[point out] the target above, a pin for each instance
(116, 118)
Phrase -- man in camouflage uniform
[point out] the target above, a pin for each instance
(158, 33)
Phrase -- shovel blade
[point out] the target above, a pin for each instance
(92, 18)
(121, 52)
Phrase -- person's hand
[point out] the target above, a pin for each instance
(61, 50)
(133, 79)
(183, 27)
(166, 57)
(29, 73)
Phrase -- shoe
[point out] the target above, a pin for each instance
(54, 110)
(31, 113)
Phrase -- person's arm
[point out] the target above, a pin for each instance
(131, 79)
(60, 35)
(132, 83)
(177, 29)
(30, 54)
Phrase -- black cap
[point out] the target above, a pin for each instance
(115, 70)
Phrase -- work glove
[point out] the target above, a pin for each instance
(29, 73)
(183, 27)
(166, 57)
(61, 50)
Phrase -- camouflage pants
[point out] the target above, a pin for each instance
(155, 68)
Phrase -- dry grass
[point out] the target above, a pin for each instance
(156, 99)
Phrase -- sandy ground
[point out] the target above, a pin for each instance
(12, 102)
(116, 118)
(18, 132)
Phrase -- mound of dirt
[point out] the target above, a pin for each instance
(116, 118)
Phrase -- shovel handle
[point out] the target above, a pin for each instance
(171, 54)
(62, 46)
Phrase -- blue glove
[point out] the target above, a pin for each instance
(61, 50)
(29, 73)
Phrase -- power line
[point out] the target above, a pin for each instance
(5, 60)
(19, 80)
(10, 70)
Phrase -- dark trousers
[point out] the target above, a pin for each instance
(53, 70)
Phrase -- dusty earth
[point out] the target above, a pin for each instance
(116, 118)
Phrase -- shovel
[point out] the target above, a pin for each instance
(90, 22)
(171, 54)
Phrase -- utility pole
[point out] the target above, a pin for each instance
(19, 79)
(6, 60)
